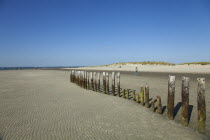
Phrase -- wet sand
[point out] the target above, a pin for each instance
(43, 104)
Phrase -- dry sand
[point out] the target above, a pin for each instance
(154, 68)
(43, 104)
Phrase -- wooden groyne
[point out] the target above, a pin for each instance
(91, 81)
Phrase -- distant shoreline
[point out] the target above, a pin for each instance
(191, 69)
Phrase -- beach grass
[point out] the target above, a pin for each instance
(196, 63)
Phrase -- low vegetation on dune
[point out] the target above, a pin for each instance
(144, 63)
(196, 63)
(153, 63)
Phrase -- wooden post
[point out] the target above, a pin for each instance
(159, 105)
(104, 82)
(91, 78)
(118, 84)
(95, 81)
(152, 105)
(107, 82)
(82, 75)
(98, 79)
(123, 93)
(87, 80)
(127, 94)
(75, 77)
(201, 105)
(82, 78)
(142, 96)
(78, 77)
(86, 76)
(147, 96)
(134, 95)
(171, 93)
(185, 101)
(113, 83)
(70, 75)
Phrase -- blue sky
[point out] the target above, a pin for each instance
(97, 32)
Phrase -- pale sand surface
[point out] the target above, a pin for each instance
(43, 104)
(154, 68)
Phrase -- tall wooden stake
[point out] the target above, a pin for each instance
(107, 82)
(123, 93)
(142, 96)
(88, 83)
(185, 101)
(134, 95)
(95, 81)
(127, 94)
(118, 84)
(91, 78)
(113, 83)
(171, 94)
(147, 96)
(98, 79)
(201, 105)
(159, 105)
(104, 82)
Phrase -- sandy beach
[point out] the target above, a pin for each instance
(196, 69)
(43, 104)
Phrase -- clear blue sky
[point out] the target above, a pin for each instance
(96, 32)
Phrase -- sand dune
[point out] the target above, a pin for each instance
(43, 104)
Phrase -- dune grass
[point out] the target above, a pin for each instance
(144, 63)
(196, 63)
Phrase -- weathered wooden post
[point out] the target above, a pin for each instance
(134, 95)
(86, 75)
(75, 77)
(88, 85)
(159, 105)
(171, 94)
(104, 82)
(127, 94)
(137, 98)
(82, 78)
(185, 100)
(147, 96)
(142, 96)
(85, 78)
(98, 79)
(78, 77)
(152, 105)
(118, 84)
(91, 78)
(95, 81)
(72, 78)
(107, 82)
(201, 105)
(123, 93)
(113, 83)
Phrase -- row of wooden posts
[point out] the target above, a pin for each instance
(91, 81)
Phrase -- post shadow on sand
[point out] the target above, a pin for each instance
(190, 112)
(163, 109)
(176, 109)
